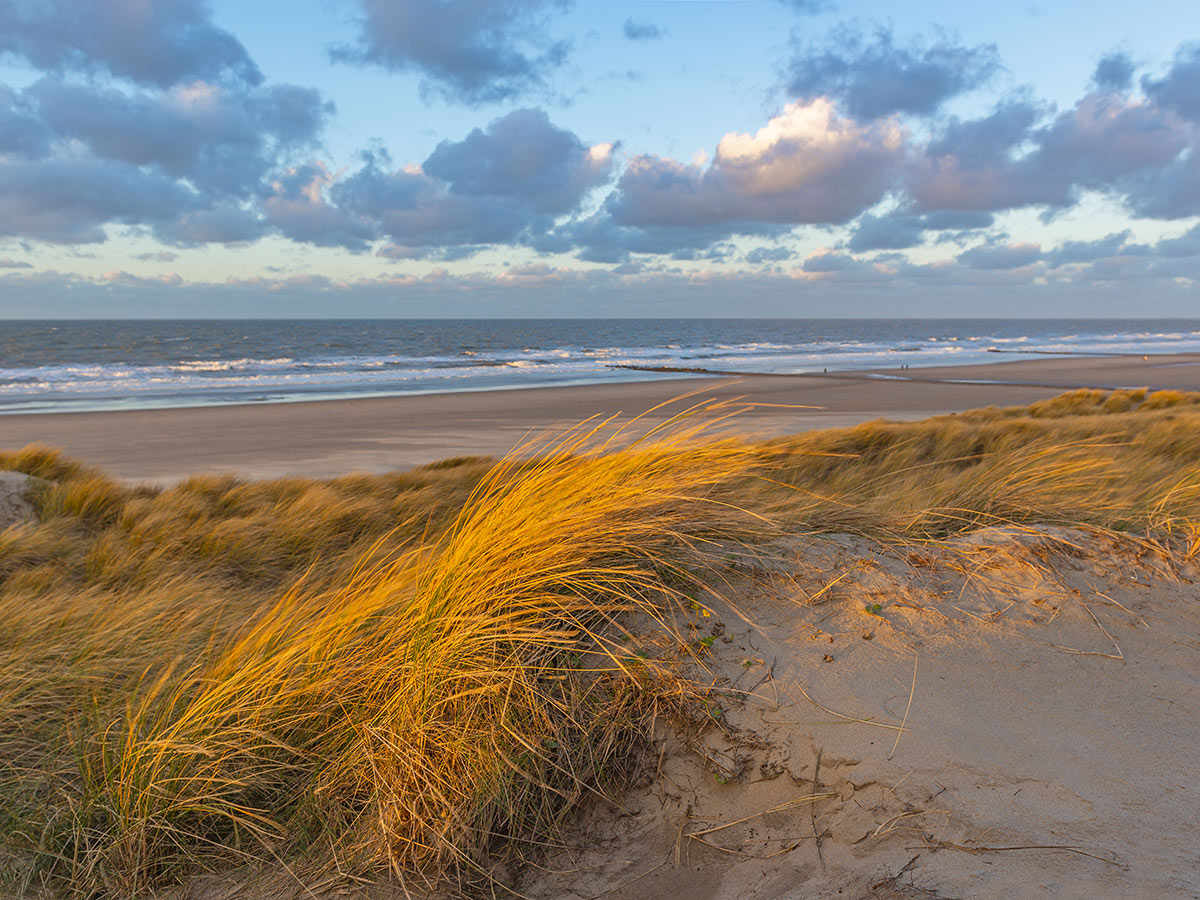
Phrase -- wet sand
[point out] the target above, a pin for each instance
(333, 437)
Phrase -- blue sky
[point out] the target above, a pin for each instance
(548, 158)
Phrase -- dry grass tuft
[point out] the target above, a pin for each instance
(1112, 460)
(450, 693)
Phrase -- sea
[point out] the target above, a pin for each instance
(63, 366)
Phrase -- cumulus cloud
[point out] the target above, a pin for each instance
(807, 165)
(503, 184)
(227, 222)
(222, 138)
(643, 31)
(298, 206)
(152, 117)
(1105, 143)
(151, 43)
(1179, 89)
(524, 157)
(70, 200)
(474, 51)
(874, 77)
(1114, 72)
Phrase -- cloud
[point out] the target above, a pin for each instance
(128, 279)
(1179, 90)
(760, 255)
(990, 139)
(472, 51)
(1187, 244)
(805, 166)
(900, 230)
(187, 163)
(504, 184)
(21, 132)
(1111, 286)
(222, 138)
(150, 43)
(1105, 143)
(157, 256)
(873, 77)
(826, 261)
(299, 207)
(1001, 256)
(643, 31)
(182, 152)
(524, 157)
(7, 262)
(70, 200)
(1114, 72)
(222, 223)
(1075, 252)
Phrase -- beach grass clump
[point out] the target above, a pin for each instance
(456, 690)
(1109, 459)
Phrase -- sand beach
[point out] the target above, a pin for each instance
(327, 438)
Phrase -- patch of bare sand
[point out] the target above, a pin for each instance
(1048, 685)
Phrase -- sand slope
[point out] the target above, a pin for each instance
(1055, 704)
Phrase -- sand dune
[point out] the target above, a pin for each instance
(1050, 702)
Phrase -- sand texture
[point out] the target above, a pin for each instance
(15, 507)
(1048, 686)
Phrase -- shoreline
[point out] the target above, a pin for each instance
(325, 438)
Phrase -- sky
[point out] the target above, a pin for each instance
(549, 158)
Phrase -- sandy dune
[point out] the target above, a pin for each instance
(1048, 688)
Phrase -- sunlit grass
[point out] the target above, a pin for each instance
(1109, 459)
(458, 687)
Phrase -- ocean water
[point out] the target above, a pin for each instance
(49, 366)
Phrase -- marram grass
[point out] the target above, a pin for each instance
(461, 690)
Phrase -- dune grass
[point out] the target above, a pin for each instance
(419, 672)
(456, 684)
(1127, 460)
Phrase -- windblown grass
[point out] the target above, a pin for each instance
(451, 692)
(416, 671)
(1123, 459)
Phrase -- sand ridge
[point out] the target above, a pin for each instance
(1046, 683)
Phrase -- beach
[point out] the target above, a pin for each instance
(336, 437)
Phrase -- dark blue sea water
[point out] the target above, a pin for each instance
(64, 365)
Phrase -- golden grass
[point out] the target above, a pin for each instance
(1125, 459)
(416, 671)
(449, 693)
